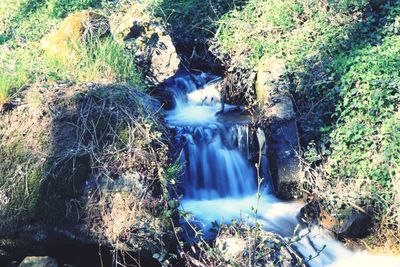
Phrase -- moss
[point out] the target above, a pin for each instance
(63, 43)
(20, 179)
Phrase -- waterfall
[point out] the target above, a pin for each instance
(212, 169)
(220, 183)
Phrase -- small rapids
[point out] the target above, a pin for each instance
(220, 184)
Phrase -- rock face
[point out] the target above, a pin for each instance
(348, 223)
(153, 47)
(75, 29)
(38, 262)
(237, 247)
(283, 145)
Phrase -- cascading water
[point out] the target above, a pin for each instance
(219, 183)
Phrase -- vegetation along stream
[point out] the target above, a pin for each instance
(199, 133)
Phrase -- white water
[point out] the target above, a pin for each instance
(219, 183)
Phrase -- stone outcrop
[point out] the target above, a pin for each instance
(283, 145)
(153, 47)
(349, 222)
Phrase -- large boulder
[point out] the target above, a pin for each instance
(348, 222)
(153, 47)
(74, 30)
(283, 144)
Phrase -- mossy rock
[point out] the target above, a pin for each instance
(269, 71)
(131, 23)
(78, 28)
(153, 48)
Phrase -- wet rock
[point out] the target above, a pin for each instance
(310, 212)
(153, 47)
(348, 223)
(284, 162)
(73, 30)
(352, 224)
(34, 261)
(283, 142)
(208, 95)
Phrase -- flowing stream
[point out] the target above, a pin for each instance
(220, 184)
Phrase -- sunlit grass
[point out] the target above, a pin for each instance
(11, 83)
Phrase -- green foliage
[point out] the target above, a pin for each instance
(10, 83)
(60, 8)
(348, 5)
(364, 143)
(296, 31)
(16, 66)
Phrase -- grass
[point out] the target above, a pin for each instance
(101, 59)
(296, 31)
(190, 18)
(23, 64)
(26, 22)
(60, 8)
(11, 83)
(107, 59)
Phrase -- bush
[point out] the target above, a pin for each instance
(296, 31)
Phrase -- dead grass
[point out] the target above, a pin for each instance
(119, 129)
(99, 153)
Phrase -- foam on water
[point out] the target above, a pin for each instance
(192, 115)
